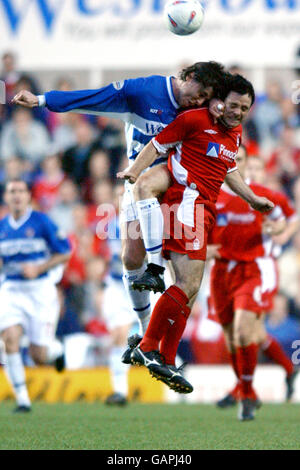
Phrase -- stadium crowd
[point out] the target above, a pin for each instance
(70, 161)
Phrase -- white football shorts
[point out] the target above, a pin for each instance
(32, 304)
(128, 207)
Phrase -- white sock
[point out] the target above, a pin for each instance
(55, 349)
(140, 301)
(118, 370)
(2, 352)
(152, 226)
(15, 372)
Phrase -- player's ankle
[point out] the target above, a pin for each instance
(148, 344)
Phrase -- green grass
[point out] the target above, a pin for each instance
(141, 426)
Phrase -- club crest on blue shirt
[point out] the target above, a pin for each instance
(213, 149)
(29, 232)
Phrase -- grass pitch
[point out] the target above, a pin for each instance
(152, 427)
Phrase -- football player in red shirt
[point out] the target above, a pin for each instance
(243, 281)
(202, 156)
(269, 345)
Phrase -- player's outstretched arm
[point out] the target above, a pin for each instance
(102, 101)
(145, 158)
(235, 181)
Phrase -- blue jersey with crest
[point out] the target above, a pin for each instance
(31, 239)
(146, 105)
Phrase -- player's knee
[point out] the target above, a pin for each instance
(37, 356)
(11, 338)
(143, 188)
(243, 336)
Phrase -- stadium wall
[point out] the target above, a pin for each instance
(210, 384)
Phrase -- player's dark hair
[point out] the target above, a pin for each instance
(240, 85)
(209, 74)
(17, 180)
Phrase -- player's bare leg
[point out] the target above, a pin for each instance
(118, 371)
(147, 189)
(14, 367)
(53, 354)
(168, 322)
(233, 396)
(273, 350)
(246, 354)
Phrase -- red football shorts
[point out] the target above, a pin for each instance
(241, 285)
(188, 219)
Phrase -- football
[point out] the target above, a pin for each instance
(183, 17)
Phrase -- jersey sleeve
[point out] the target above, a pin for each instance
(110, 101)
(172, 135)
(56, 240)
(286, 205)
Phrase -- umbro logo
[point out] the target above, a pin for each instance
(210, 131)
(171, 321)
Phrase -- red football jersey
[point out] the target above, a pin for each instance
(287, 207)
(238, 227)
(202, 152)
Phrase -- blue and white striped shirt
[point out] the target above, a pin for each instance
(31, 239)
(146, 105)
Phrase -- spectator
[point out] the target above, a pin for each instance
(98, 168)
(13, 168)
(75, 160)
(289, 270)
(267, 116)
(24, 137)
(102, 195)
(62, 211)
(285, 160)
(12, 78)
(45, 190)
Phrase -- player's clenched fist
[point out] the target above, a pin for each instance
(262, 204)
(127, 175)
(25, 98)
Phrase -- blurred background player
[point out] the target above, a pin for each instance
(117, 313)
(146, 105)
(30, 247)
(243, 281)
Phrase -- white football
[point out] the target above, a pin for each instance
(183, 17)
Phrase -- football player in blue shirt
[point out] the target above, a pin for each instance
(146, 105)
(31, 248)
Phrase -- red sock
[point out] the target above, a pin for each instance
(235, 392)
(170, 306)
(247, 359)
(170, 341)
(272, 349)
(234, 363)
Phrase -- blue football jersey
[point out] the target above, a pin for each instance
(31, 239)
(146, 105)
